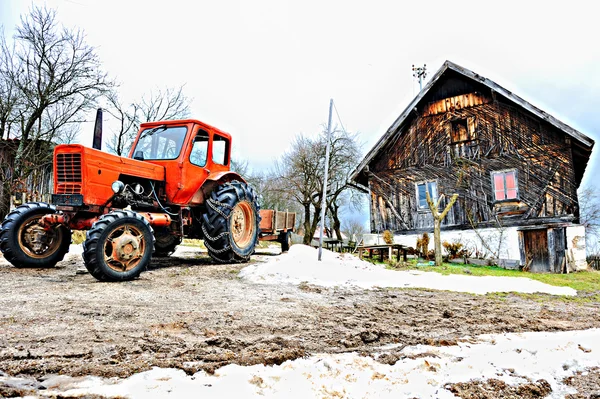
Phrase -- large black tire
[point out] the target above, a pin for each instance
(26, 244)
(285, 239)
(119, 246)
(231, 222)
(165, 243)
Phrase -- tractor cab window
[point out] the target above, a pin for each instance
(220, 151)
(199, 149)
(160, 142)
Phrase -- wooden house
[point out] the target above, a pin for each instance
(515, 167)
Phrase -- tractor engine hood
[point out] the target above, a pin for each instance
(89, 172)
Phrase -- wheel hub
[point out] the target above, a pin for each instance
(124, 248)
(35, 240)
(127, 247)
(242, 224)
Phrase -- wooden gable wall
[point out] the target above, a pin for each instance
(495, 136)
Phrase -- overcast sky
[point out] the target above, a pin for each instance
(265, 70)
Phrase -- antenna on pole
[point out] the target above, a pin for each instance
(420, 73)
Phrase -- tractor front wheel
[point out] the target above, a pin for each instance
(26, 243)
(119, 246)
(231, 222)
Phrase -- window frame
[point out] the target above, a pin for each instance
(203, 133)
(503, 173)
(155, 138)
(426, 183)
(226, 150)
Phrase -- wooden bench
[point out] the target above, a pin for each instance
(383, 248)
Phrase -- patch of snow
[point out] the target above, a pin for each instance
(300, 264)
(512, 358)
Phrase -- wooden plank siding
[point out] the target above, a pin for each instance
(458, 142)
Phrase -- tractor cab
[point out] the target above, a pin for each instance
(191, 152)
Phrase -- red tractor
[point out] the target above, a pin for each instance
(175, 183)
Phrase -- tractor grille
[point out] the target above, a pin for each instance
(68, 172)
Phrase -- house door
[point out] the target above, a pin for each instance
(560, 245)
(536, 250)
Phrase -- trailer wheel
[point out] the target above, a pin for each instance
(119, 246)
(231, 222)
(285, 239)
(25, 243)
(165, 243)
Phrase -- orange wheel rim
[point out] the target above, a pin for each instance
(243, 225)
(124, 248)
(37, 242)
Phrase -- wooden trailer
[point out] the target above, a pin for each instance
(277, 226)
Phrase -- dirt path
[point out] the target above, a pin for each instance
(190, 314)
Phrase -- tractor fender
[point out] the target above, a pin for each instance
(213, 180)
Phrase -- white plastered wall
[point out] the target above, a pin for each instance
(576, 247)
(504, 242)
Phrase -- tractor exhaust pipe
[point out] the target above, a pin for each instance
(97, 143)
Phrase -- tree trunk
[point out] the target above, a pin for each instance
(437, 241)
(315, 222)
(307, 227)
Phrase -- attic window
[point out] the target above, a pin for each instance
(463, 130)
(505, 185)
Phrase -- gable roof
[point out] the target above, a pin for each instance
(584, 141)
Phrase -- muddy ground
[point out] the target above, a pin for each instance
(189, 313)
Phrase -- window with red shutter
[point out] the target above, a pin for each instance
(505, 185)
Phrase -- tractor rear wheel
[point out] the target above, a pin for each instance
(231, 222)
(119, 246)
(165, 243)
(25, 243)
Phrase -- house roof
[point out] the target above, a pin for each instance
(584, 142)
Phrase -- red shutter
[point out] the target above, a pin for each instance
(511, 185)
(499, 186)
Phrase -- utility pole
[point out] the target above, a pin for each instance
(324, 199)
(420, 73)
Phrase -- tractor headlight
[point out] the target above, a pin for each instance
(117, 186)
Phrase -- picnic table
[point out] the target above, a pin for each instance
(383, 249)
(332, 244)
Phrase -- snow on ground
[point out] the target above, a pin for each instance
(300, 264)
(512, 358)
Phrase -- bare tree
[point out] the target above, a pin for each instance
(164, 104)
(437, 221)
(298, 175)
(50, 77)
(353, 228)
(8, 92)
(160, 104)
(126, 115)
(589, 209)
(344, 153)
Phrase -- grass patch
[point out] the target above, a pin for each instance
(191, 242)
(77, 237)
(585, 282)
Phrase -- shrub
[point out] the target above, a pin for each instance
(388, 237)
(423, 245)
(453, 248)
